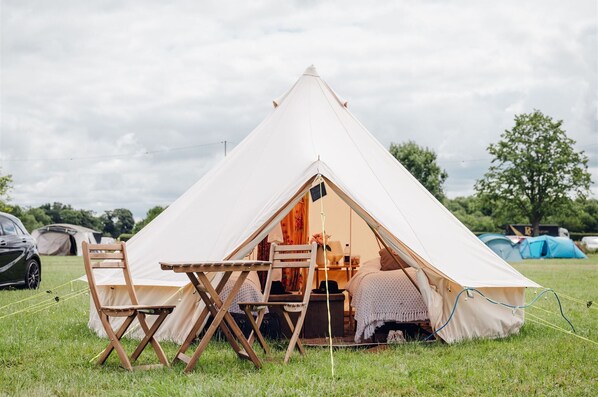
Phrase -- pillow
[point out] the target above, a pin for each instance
(387, 262)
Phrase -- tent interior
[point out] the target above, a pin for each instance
(349, 233)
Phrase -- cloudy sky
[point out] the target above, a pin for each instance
(111, 104)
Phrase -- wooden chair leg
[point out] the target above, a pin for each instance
(115, 341)
(149, 338)
(157, 347)
(256, 329)
(296, 329)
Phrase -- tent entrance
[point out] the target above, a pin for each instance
(345, 225)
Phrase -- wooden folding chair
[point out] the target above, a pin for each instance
(285, 256)
(114, 256)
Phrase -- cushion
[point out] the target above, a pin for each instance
(387, 262)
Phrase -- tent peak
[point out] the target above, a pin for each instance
(311, 71)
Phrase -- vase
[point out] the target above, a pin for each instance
(320, 256)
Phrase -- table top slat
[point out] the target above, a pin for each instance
(215, 266)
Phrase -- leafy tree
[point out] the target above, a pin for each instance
(117, 222)
(151, 214)
(88, 219)
(32, 218)
(55, 211)
(535, 170)
(473, 214)
(421, 163)
(5, 186)
(65, 213)
(581, 216)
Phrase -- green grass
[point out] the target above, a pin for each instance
(49, 352)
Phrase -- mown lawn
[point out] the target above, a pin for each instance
(47, 351)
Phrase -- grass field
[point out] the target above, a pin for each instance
(47, 351)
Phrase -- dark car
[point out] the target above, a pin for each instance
(19, 260)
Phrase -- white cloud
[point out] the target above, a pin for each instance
(82, 80)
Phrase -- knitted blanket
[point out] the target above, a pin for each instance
(380, 297)
(249, 292)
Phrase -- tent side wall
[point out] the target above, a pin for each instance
(474, 317)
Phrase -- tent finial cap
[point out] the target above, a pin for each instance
(311, 71)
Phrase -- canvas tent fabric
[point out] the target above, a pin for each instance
(502, 246)
(230, 209)
(550, 247)
(63, 239)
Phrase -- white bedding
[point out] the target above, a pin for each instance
(249, 292)
(380, 297)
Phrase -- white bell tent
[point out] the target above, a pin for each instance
(309, 137)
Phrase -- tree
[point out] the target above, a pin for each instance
(55, 211)
(117, 222)
(581, 216)
(473, 214)
(421, 163)
(32, 218)
(5, 186)
(64, 213)
(536, 171)
(151, 214)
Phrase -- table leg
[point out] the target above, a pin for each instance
(212, 295)
(200, 322)
(229, 320)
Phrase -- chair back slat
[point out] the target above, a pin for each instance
(296, 257)
(292, 255)
(297, 248)
(108, 265)
(106, 247)
(295, 264)
(107, 256)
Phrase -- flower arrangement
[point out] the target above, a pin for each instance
(321, 240)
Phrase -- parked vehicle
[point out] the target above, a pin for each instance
(590, 242)
(20, 264)
(527, 230)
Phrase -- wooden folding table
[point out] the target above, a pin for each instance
(196, 271)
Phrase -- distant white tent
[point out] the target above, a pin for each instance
(309, 137)
(64, 239)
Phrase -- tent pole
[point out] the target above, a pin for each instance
(394, 258)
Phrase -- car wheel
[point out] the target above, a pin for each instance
(32, 277)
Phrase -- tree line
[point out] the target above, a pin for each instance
(113, 223)
(535, 177)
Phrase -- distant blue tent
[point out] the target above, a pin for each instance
(549, 247)
(502, 246)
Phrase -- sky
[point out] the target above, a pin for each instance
(126, 104)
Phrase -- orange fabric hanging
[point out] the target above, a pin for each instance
(295, 230)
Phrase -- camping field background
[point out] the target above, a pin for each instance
(46, 349)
